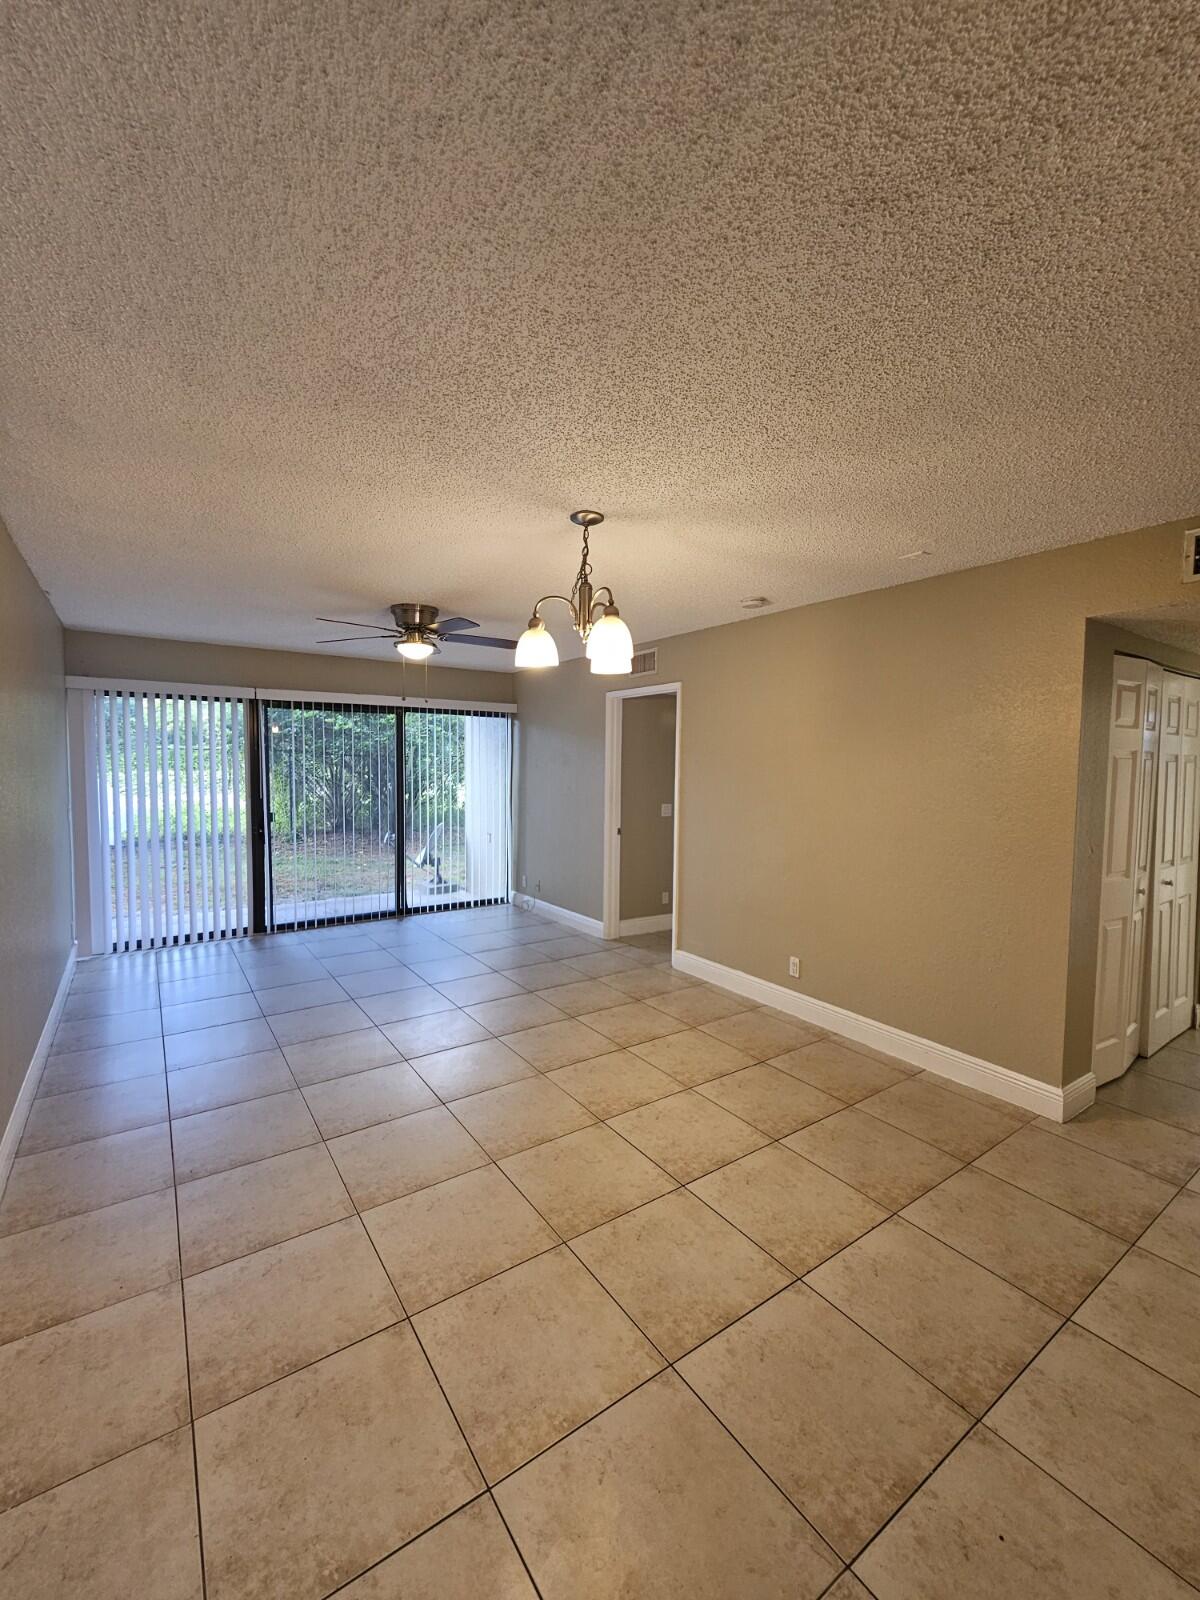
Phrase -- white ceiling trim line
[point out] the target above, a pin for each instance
(311, 696)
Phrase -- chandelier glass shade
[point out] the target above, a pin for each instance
(415, 649)
(608, 641)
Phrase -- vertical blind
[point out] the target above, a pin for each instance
(457, 808)
(169, 776)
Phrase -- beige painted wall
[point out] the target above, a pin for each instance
(115, 655)
(647, 782)
(35, 849)
(884, 785)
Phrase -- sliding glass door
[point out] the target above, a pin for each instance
(330, 793)
(457, 810)
(340, 848)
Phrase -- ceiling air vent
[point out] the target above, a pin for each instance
(644, 663)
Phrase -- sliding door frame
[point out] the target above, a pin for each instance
(93, 928)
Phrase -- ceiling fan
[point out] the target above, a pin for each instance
(418, 634)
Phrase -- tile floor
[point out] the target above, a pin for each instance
(466, 1256)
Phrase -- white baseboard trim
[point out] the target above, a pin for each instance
(1059, 1104)
(573, 919)
(11, 1137)
(660, 924)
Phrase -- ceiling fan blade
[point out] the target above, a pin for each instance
(455, 624)
(345, 622)
(482, 639)
(355, 638)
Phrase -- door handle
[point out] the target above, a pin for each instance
(1168, 883)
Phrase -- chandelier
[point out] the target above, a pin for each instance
(609, 643)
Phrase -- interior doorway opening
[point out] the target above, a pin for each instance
(641, 811)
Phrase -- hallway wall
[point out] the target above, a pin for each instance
(884, 785)
(35, 847)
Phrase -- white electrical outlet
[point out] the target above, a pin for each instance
(793, 966)
(524, 881)
(666, 897)
(666, 808)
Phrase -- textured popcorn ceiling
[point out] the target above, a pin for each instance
(308, 308)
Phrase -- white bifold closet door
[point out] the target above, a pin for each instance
(169, 856)
(1171, 970)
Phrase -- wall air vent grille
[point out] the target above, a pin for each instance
(644, 663)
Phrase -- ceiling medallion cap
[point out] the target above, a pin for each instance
(587, 519)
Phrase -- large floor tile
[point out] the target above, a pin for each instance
(317, 1022)
(842, 1426)
(952, 1122)
(992, 1526)
(84, 1391)
(258, 1318)
(342, 1105)
(1123, 1438)
(210, 1141)
(793, 1209)
(610, 1084)
(693, 1057)
(247, 1208)
(962, 1327)
(1151, 1309)
(358, 962)
(394, 1158)
(317, 1060)
(385, 975)
(90, 1032)
(209, 1013)
(771, 1101)
(516, 1013)
(1171, 1154)
(468, 1069)
(443, 1030)
(1108, 1193)
(469, 1554)
(698, 1004)
(761, 1034)
(306, 1483)
(518, 1115)
(453, 1235)
(887, 1164)
(643, 983)
(81, 1004)
(655, 1499)
(632, 1023)
(847, 1074)
(573, 999)
(404, 1004)
(558, 1044)
(197, 1048)
(529, 1355)
(65, 1269)
(1057, 1258)
(62, 1119)
(1175, 1236)
(125, 1528)
(181, 991)
(547, 975)
(1178, 1066)
(107, 1063)
(596, 964)
(687, 1135)
(83, 1177)
(679, 1270)
(586, 1178)
(476, 991)
(1152, 1096)
(225, 1083)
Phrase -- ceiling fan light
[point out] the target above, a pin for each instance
(536, 646)
(415, 649)
(610, 645)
